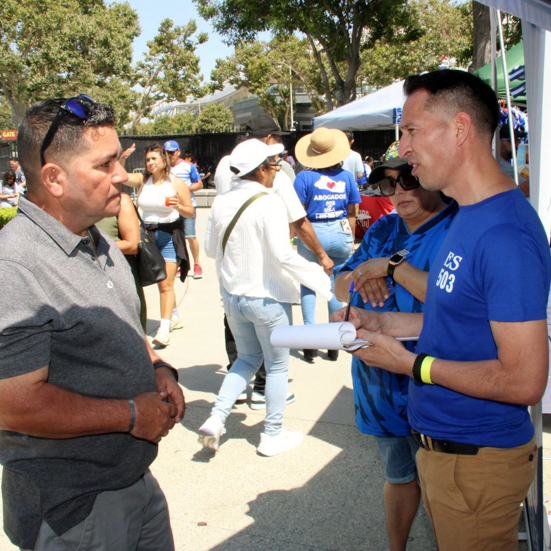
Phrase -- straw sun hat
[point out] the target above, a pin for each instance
(322, 148)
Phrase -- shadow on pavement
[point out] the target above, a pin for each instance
(340, 508)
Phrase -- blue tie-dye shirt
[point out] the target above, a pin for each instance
(380, 396)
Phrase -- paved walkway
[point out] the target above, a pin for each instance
(325, 495)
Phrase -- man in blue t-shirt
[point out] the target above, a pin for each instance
(482, 356)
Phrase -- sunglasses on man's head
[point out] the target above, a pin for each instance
(387, 186)
(78, 106)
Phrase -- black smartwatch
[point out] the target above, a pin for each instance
(395, 260)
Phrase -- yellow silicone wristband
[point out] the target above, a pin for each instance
(425, 370)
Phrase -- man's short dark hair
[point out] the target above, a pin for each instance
(460, 91)
(14, 158)
(67, 141)
(350, 136)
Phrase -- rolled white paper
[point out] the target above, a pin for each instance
(329, 336)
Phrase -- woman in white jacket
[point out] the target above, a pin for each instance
(259, 273)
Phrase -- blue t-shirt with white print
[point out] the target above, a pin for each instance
(326, 194)
(494, 265)
(381, 396)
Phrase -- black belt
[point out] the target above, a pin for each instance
(445, 446)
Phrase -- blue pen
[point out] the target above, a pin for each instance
(350, 295)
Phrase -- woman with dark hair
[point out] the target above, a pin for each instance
(8, 189)
(162, 198)
(329, 195)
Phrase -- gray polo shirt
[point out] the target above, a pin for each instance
(65, 306)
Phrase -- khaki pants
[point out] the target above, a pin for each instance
(473, 500)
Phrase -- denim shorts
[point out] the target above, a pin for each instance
(189, 225)
(165, 243)
(398, 453)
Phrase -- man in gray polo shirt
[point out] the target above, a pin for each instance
(84, 400)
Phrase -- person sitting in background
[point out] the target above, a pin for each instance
(125, 231)
(257, 269)
(389, 271)
(9, 194)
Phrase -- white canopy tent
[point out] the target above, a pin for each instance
(377, 111)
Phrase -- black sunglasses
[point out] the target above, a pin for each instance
(78, 106)
(387, 186)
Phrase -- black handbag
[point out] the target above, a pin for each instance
(151, 264)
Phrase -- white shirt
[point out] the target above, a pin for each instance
(152, 203)
(259, 260)
(283, 187)
(353, 163)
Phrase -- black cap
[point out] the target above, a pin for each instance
(378, 173)
(262, 125)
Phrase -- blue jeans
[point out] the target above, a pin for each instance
(398, 453)
(252, 321)
(165, 243)
(338, 245)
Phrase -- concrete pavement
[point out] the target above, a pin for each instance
(325, 495)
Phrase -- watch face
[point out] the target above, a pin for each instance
(395, 258)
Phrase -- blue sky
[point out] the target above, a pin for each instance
(152, 12)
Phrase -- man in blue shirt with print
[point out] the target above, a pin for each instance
(482, 355)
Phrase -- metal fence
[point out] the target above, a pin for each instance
(208, 149)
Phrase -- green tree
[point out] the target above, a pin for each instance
(336, 30)
(170, 69)
(50, 48)
(180, 123)
(6, 122)
(442, 29)
(269, 70)
(214, 118)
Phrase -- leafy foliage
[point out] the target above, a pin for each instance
(214, 118)
(50, 48)
(269, 69)
(336, 31)
(6, 214)
(170, 69)
(441, 29)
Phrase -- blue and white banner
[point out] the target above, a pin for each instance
(518, 73)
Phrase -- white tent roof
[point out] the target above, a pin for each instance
(374, 111)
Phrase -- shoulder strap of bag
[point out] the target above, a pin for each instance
(236, 218)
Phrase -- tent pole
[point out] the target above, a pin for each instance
(493, 67)
(507, 96)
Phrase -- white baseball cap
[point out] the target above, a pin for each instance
(250, 154)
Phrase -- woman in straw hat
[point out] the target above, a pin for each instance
(329, 195)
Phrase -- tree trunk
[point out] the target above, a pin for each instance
(324, 76)
(482, 47)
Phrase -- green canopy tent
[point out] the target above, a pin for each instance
(515, 58)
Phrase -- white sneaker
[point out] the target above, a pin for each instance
(258, 401)
(286, 440)
(162, 338)
(211, 431)
(242, 398)
(176, 323)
